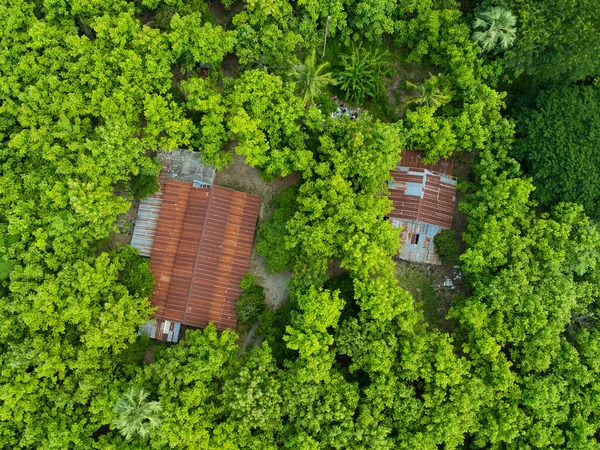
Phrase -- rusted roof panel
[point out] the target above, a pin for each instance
(412, 159)
(162, 330)
(430, 200)
(201, 252)
(417, 241)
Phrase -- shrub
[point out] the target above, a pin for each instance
(252, 301)
(363, 73)
(447, 247)
(146, 182)
(272, 234)
(137, 276)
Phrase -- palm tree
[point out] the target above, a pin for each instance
(428, 93)
(135, 414)
(311, 79)
(496, 28)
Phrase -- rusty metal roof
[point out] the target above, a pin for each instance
(416, 241)
(162, 330)
(412, 158)
(423, 196)
(419, 194)
(200, 253)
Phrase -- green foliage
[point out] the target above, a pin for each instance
(146, 182)
(137, 276)
(267, 34)
(136, 416)
(558, 40)
(428, 92)
(447, 247)
(265, 118)
(86, 97)
(252, 301)
(437, 34)
(559, 146)
(363, 72)
(311, 80)
(495, 28)
(205, 99)
(273, 232)
(197, 42)
(188, 379)
(165, 12)
(530, 275)
(326, 105)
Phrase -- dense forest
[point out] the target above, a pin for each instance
(91, 89)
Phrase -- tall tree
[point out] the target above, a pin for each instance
(558, 40)
(558, 145)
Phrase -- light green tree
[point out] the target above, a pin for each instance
(136, 415)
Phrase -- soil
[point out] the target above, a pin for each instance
(396, 92)
(242, 177)
(221, 15)
(125, 223)
(230, 65)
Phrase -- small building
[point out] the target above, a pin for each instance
(423, 196)
(199, 238)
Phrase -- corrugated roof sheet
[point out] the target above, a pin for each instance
(419, 194)
(423, 196)
(416, 241)
(201, 251)
(163, 330)
(411, 158)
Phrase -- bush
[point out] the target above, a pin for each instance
(146, 182)
(136, 276)
(272, 234)
(326, 104)
(447, 247)
(363, 73)
(252, 301)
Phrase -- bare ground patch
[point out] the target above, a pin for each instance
(432, 288)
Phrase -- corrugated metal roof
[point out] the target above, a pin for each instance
(419, 194)
(417, 241)
(147, 218)
(423, 196)
(201, 251)
(411, 158)
(163, 330)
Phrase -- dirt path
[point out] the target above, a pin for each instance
(244, 178)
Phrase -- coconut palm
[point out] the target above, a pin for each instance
(311, 79)
(496, 28)
(136, 416)
(428, 93)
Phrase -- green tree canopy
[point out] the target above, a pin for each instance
(557, 40)
(558, 144)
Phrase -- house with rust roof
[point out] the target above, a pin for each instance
(423, 196)
(198, 237)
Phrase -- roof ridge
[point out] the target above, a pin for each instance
(210, 199)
